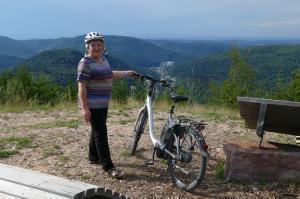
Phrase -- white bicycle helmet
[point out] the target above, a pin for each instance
(92, 36)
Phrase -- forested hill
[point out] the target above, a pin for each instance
(267, 61)
(202, 48)
(61, 64)
(16, 48)
(211, 63)
(134, 51)
(6, 61)
(193, 49)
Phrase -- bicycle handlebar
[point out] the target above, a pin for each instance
(163, 82)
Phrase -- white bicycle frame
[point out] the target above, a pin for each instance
(155, 141)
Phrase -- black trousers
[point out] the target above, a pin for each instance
(98, 146)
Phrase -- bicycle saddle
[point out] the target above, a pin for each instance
(178, 98)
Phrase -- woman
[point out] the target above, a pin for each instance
(94, 91)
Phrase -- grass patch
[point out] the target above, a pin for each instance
(213, 116)
(9, 129)
(263, 181)
(125, 153)
(64, 159)
(119, 113)
(123, 122)
(283, 138)
(56, 124)
(295, 182)
(6, 153)
(49, 152)
(85, 177)
(162, 161)
(133, 165)
(18, 142)
(31, 106)
(10, 145)
(209, 112)
(130, 104)
(206, 112)
(219, 170)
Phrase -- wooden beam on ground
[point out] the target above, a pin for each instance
(16, 182)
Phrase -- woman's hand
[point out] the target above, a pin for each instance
(86, 114)
(124, 73)
(131, 73)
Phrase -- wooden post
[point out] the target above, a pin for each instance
(261, 122)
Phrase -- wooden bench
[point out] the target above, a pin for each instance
(271, 115)
(16, 182)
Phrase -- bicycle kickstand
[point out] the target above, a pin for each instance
(151, 162)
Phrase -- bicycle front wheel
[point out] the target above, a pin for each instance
(138, 130)
(187, 171)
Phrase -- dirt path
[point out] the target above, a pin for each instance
(59, 147)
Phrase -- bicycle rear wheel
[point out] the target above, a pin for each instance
(138, 130)
(187, 171)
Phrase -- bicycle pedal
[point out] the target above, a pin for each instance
(148, 163)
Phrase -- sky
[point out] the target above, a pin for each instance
(151, 19)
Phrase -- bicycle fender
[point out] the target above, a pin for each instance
(204, 153)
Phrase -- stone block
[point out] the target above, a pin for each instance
(244, 160)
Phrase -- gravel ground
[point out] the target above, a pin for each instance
(59, 147)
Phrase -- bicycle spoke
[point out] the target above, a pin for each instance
(183, 139)
(188, 171)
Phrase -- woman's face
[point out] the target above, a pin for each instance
(95, 49)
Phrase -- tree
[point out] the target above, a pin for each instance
(280, 90)
(294, 87)
(240, 82)
(138, 91)
(44, 91)
(120, 91)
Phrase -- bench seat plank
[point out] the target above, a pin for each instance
(62, 186)
(8, 196)
(12, 190)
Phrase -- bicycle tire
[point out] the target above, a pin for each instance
(138, 130)
(202, 164)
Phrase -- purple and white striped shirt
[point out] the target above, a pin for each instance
(98, 77)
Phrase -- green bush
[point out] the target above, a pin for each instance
(120, 91)
(219, 170)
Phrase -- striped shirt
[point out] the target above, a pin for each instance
(98, 77)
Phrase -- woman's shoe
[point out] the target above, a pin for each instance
(116, 173)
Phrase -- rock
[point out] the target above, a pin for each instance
(244, 160)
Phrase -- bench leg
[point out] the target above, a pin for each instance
(261, 122)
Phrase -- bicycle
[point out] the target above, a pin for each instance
(181, 141)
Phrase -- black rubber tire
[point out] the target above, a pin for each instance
(99, 193)
(200, 175)
(138, 130)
